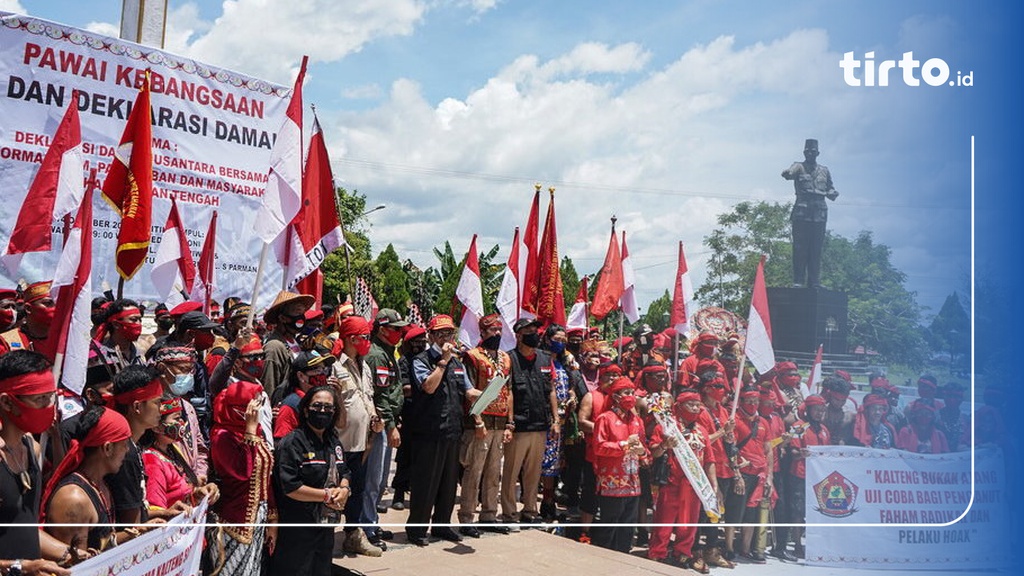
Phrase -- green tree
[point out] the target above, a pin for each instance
(391, 289)
(570, 282)
(658, 312)
(950, 332)
(744, 234)
(337, 280)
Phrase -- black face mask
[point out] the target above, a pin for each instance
(531, 340)
(165, 324)
(573, 347)
(320, 420)
(491, 343)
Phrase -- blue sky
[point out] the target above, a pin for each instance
(663, 113)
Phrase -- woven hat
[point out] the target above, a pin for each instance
(284, 298)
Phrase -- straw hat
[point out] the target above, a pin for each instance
(283, 299)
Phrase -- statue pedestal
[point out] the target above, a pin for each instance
(803, 318)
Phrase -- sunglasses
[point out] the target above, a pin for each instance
(252, 357)
(321, 407)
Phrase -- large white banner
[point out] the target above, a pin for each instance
(212, 134)
(171, 550)
(921, 494)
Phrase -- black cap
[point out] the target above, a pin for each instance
(524, 322)
(310, 359)
(196, 321)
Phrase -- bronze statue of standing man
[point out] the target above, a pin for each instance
(813, 184)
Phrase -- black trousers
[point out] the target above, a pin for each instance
(572, 476)
(433, 480)
(616, 510)
(302, 550)
(808, 242)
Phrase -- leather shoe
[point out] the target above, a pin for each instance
(496, 528)
(420, 541)
(378, 541)
(386, 534)
(398, 505)
(382, 509)
(471, 531)
(447, 534)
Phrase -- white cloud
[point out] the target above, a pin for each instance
(12, 6)
(267, 38)
(363, 92)
(104, 28)
(666, 153)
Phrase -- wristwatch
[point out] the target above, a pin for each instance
(14, 569)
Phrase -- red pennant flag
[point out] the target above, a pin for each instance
(56, 190)
(67, 343)
(173, 269)
(316, 229)
(530, 280)
(203, 289)
(128, 187)
(312, 285)
(610, 284)
(550, 301)
(682, 297)
(758, 347)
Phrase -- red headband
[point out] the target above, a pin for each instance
(111, 427)
(926, 382)
(254, 345)
(29, 384)
(152, 390)
(875, 400)
(687, 395)
(609, 369)
(124, 314)
(814, 400)
(620, 384)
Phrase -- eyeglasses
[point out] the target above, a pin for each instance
(321, 407)
(360, 336)
(251, 357)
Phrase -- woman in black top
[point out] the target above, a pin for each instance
(311, 486)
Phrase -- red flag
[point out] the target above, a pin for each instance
(312, 285)
(628, 299)
(173, 269)
(316, 229)
(550, 301)
(578, 314)
(283, 195)
(128, 187)
(67, 343)
(610, 284)
(56, 190)
(508, 295)
(814, 378)
(203, 289)
(682, 296)
(758, 347)
(470, 293)
(530, 280)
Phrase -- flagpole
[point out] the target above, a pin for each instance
(256, 284)
(737, 385)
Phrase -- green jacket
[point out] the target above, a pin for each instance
(387, 388)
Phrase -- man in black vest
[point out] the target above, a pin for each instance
(440, 386)
(535, 412)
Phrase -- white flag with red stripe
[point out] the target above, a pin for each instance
(814, 378)
(508, 302)
(283, 195)
(67, 343)
(628, 299)
(56, 190)
(173, 270)
(682, 297)
(470, 293)
(205, 284)
(758, 348)
(578, 317)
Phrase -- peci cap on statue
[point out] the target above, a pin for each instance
(811, 144)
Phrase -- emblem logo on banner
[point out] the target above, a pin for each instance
(836, 495)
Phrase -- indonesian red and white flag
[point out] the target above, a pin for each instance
(173, 270)
(682, 297)
(758, 347)
(470, 293)
(283, 195)
(610, 284)
(814, 378)
(529, 279)
(578, 314)
(628, 299)
(316, 229)
(128, 187)
(56, 190)
(363, 301)
(507, 302)
(67, 343)
(202, 290)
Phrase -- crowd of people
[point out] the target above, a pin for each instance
(297, 419)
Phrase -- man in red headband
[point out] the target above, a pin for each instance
(815, 433)
(952, 421)
(116, 336)
(705, 347)
(8, 309)
(27, 407)
(717, 420)
(485, 436)
(38, 315)
(619, 450)
(787, 378)
(754, 461)
(677, 501)
(836, 393)
(414, 342)
(594, 403)
(920, 434)
(870, 428)
(137, 392)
